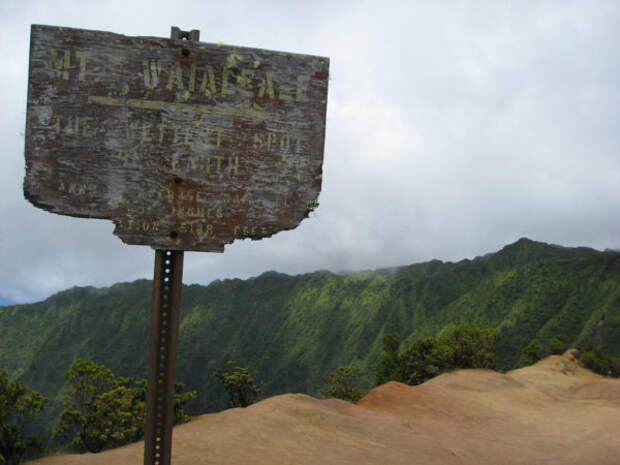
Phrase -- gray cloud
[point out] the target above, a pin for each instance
(453, 129)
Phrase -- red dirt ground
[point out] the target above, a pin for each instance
(554, 412)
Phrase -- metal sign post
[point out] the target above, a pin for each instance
(184, 145)
(167, 286)
(165, 317)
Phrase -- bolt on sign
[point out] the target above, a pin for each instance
(184, 145)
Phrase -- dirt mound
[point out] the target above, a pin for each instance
(552, 412)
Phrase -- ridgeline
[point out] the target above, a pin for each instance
(291, 331)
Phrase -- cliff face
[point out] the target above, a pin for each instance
(291, 331)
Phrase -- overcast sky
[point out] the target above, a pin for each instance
(453, 129)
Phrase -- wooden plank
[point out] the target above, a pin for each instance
(183, 145)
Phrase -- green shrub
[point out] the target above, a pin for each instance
(557, 344)
(342, 384)
(103, 412)
(600, 362)
(389, 367)
(425, 359)
(470, 346)
(239, 384)
(530, 355)
(461, 346)
(17, 405)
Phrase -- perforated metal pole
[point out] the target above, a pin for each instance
(165, 315)
(167, 286)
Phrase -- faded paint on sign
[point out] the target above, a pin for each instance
(184, 145)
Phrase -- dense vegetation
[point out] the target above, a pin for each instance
(16, 406)
(104, 412)
(460, 346)
(291, 331)
(597, 360)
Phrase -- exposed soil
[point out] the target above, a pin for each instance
(554, 412)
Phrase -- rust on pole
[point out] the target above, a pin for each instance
(164, 341)
(165, 315)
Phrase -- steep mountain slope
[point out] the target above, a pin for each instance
(552, 412)
(292, 330)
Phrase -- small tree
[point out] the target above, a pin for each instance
(530, 355)
(16, 406)
(557, 344)
(119, 413)
(425, 359)
(342, 384)
(389, 367)
(85, 418)
(102, 412)
(239, 384)
(470, 346)
(181, 401)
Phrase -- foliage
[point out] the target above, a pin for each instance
(530, 355)
(16, 407)
(389, 365)
(469, 346)
(595, 359)
(103, 412)
(342, 383)
(86, 418)
(239, 384)
(460, 346)
(181, 402)
(425, 359)
(557, 344)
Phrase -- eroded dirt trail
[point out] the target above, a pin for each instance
(554, 412)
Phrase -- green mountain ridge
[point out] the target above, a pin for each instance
(292, 330)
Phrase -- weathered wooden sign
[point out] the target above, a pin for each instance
(184, 145)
